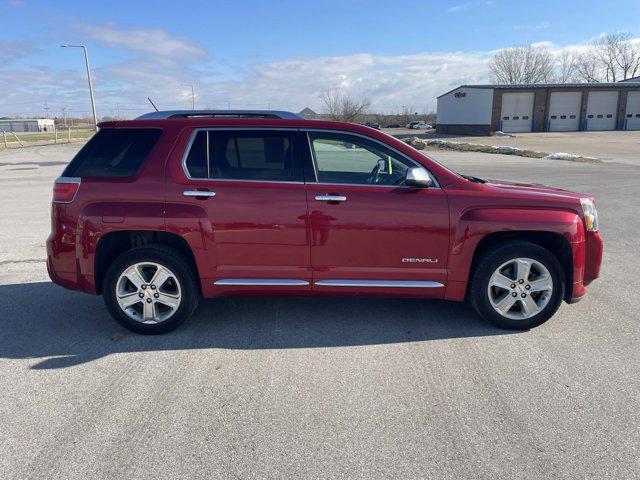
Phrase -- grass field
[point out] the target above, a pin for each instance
(44, 138)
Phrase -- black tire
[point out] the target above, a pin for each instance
(165, 256)
(496, 257)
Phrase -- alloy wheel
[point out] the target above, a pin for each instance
(148, 292)
(520, 288)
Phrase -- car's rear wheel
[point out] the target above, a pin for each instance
(517, 285)
(151, 289)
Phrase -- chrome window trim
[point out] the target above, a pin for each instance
(390, 187)
(313, 159)
(261, 282)
(378, 283)
(185, 170)
(195, 132)
(435, 185)
(208, 160)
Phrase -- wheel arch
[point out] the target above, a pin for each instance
(553, 242)
(113, 244)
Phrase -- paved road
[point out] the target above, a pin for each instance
(319, 388)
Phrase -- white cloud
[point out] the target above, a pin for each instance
(16, 3)
(389, 81)
(10, 51)
(155, 42)
(460, 7)
(544, 44)
(158, 63)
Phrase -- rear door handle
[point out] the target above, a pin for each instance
(331, 198)
(198, 193)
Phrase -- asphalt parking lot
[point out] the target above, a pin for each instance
(615, 146)
(319, 387)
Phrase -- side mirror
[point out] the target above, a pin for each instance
(417, 177)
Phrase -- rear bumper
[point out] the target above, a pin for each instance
(63, 269)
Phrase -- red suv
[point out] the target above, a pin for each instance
(157, 212)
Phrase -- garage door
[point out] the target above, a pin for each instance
(632, 122)
(601, 110)
(517, 112)
(564, 111)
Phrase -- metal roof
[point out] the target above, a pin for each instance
(533, 86)
(219, 113)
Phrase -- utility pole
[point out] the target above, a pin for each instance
(64, 116)
(193, 94)
(46, 109)
(86, 62)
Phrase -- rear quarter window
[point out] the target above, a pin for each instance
(113, 152)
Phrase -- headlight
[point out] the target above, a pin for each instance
(590, 214)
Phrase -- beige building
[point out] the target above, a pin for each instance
(481, 109)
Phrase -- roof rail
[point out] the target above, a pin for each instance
(219, 113)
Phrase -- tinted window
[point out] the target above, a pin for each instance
(113, 152)
(242, 155)
(197, 158)
(342, 158)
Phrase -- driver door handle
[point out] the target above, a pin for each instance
(331, 198)
(198, 193)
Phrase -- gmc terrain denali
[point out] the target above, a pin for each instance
(157, 212)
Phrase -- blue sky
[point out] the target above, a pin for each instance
(281, 54)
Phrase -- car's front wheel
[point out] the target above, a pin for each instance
(150, 290)
(517, 285)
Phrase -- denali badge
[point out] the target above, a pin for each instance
(419, 260)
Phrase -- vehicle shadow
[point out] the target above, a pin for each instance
(63, 328)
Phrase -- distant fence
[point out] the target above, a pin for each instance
(21, 140)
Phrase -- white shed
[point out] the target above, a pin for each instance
(466, 107)
(27, 125)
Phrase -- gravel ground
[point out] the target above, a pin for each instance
(319, 387)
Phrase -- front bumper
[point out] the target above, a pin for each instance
(586, 266)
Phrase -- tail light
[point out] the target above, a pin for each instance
(65, 189)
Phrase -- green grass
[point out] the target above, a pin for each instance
(46, 138)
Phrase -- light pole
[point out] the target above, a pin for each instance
(86, 61)
(193, 94)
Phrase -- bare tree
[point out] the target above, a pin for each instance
(610, 58)
(522, 64)
(340, 107)
(567, 67)
(628, 58)
(587, 69)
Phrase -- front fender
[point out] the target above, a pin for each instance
(475, 224)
